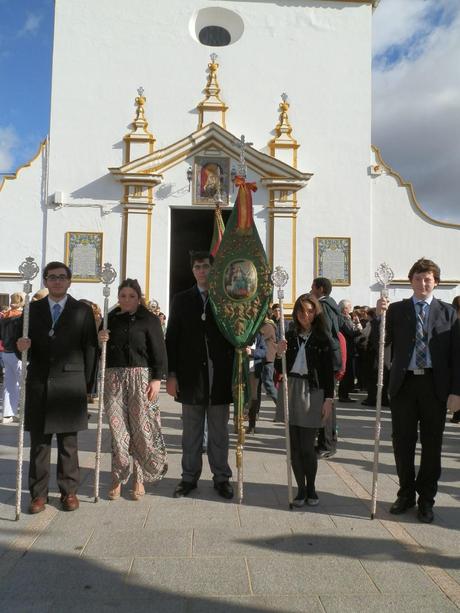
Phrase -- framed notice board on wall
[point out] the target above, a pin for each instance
(333, 259)
(83, 255)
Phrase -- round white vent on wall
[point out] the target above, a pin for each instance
(216, 27)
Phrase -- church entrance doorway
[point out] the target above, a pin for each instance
(191, 230)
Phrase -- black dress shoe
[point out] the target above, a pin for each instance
(323, 454)
(224, 489)
(425, 512)
(346, 400)
(184, 488)
(400, 505)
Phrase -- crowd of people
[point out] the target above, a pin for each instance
(330, 350)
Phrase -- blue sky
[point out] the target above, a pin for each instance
(416, 91)
(26, 35)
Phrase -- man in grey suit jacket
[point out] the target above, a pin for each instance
(62, 345)
(424, 334)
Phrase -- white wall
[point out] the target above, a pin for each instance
(22, 220)
(318, 52)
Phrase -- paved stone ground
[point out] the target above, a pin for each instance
(203, 553)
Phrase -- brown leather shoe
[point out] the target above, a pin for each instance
(37, 505)
(70, 502)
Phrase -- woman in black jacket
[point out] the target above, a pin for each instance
(310, 373)
(136, 363)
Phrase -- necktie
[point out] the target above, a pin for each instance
(420, 336)
(56, 311)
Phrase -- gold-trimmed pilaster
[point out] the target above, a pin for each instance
(283, 206)
(136, 254)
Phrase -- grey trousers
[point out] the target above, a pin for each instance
(193, 417)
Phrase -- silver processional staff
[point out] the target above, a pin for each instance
(108, 276)
(28, 270)
(384, 276)
(280, 278)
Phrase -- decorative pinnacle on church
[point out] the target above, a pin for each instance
(283, 126)
(212, 101)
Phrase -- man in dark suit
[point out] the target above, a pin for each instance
(424, 334)
(200, 363)
(62, 345)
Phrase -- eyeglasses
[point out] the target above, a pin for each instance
(57, 277)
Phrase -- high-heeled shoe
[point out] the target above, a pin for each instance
(138, 491)
(115, 492)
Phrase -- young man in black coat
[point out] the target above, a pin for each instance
(62, 346)
(424, 334)
(200, 364)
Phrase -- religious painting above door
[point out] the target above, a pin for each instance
(211, 179)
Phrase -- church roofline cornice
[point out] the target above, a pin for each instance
(211, 136)
(411, 192)
(14, 175)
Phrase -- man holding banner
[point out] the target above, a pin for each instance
(200, 363)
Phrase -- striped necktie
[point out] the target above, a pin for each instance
(420, 335)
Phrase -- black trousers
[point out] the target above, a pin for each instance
(303, 457)
(68, 469)
(415, 407)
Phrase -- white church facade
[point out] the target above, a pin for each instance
(135, 184)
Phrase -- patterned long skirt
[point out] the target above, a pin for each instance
(135, 425)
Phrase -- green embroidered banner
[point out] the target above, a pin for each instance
(240, 290)
(240, 287)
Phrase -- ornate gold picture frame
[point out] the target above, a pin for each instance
(83, 255)
(333, 259)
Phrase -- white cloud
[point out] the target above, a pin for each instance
(8, 142)
(416, 107)
(31, 25)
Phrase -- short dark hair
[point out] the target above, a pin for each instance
(132, 284)
(424, 265)
(275, 305)
(324, 284)
(198, 256)
(53, 266)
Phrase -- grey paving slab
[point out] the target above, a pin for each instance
(308, 575)
(436, 603)
(125, 543)
(207, 576)
(399, 577)
(44, 576)
(253, 604)
(203, 553)
(19, 605)
(200, 513)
